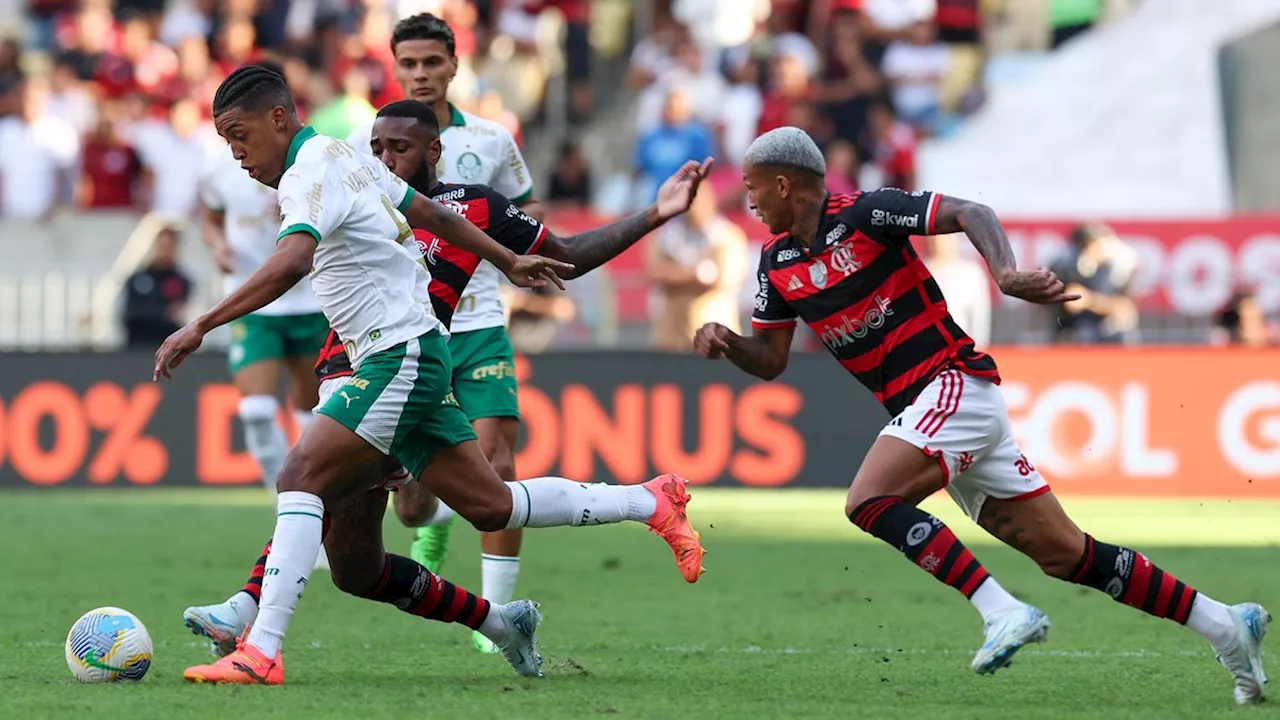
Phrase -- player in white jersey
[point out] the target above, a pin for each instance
(344, 222)
(481, 152)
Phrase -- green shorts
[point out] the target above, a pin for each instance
(399, 401)
(258, 338)
(484, 373)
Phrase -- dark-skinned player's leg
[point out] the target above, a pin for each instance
(928, 446)
(362, 567)
(1039, 528)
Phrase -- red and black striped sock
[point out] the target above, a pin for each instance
(1129, 577)
(924, 539)
(253, 586)
(413, 589)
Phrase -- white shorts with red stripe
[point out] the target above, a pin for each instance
(963, 422)
(392, 480)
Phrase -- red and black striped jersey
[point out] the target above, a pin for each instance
(451, 267)
(865, 292)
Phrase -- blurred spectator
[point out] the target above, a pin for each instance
(965, 285)
(577, 51)
(662, 150)
(1242, 322)
(1099, 266)
(345, 112)
(535, 316)
(90, 35)
(788, 86)
(740, 110)
(842, 168)
(654, 55)
(848, 80)
(186, 20)
(172, 154)
(10, 76)
(38, 156)
(155, 297)
(697, 263)
(490, 106)
(893, 147)
(112, 170)
(369, 52)
(703, 84)
(195, 78)
(236, 45)
(571, 182)
(68, 98)
(915, 69)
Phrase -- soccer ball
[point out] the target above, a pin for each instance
(108, 644)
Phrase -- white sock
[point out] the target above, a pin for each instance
(991, 599)
(1212, 619)
(442, 515)
(498, 575)
(295, 544)
(322, 560)
(493, 627)
(243, 606)
(303, 418)
(263, 436)
(556, 502)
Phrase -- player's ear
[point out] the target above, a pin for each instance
(279, 118)
(434, 150)
(784, 186)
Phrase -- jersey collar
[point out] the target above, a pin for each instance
(306, 133)
(456, 118)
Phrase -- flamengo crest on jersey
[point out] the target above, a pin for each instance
(865, 292)
(481, 152)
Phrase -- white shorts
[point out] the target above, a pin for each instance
(963, 422)
(390, 482)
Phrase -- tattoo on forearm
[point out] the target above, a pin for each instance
(1006, 530)
(753, 354)
(590, 249)
(982, 226)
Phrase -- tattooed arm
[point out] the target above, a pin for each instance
(983, 228)
(764, 354)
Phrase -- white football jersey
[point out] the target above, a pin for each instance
(475, 151)
(251, 218)
(370, 286)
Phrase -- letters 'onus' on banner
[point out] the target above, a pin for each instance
(1172, 422)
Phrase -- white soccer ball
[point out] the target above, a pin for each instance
(108, 644)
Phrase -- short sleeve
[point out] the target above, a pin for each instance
(310, 202)
(360, 138)
(512, 227)
(513, 178)
(210, 196)
(772, 310)
(397, 190)
(890, 214)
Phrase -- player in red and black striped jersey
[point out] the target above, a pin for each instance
(845, 265)
(451, 267)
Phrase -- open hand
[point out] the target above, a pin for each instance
(1038, 286)
(677, 193)
(712, 340)
(175, 349)
(535, 271)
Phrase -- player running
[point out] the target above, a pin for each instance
(406, 137)
(343, 223)
(475, 150)
(844, 264)
(239, 218)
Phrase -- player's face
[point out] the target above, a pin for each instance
(408, 151)
(766, 196)
(424, 69)
(258, 140)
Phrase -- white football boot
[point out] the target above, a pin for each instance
(520, 646)
(1242, 657)
(1006, 633)
(222, 624)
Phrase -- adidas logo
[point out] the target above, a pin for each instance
(795, 284)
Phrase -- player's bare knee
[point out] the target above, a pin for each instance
(293, 476)
(1058, 553)
(505, 466)
(351, 579)
(492, 516)
(415, 511)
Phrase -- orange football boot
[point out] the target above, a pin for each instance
(246, 666)
(670, 522)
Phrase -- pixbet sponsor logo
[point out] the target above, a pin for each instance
(853, 329)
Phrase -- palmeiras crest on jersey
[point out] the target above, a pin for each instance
(818, 274)
(469, 166)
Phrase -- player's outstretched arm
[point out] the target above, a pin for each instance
(590, 249)
(526, 271)
(287, 265)
(980, 223)
(765, 354)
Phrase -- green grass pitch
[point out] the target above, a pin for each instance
(798, 616)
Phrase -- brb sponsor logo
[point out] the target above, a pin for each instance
(850, 329)
(788, 254)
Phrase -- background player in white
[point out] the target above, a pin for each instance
(474, 151)
(344, 222)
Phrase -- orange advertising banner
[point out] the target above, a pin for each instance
(1175, 422)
